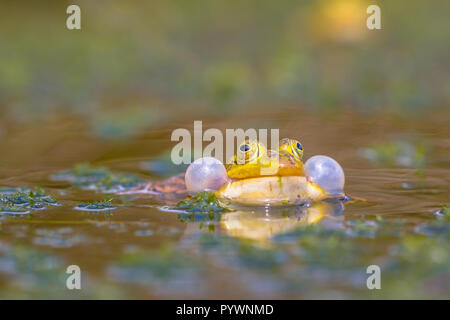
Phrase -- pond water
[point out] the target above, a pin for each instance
(397, 174)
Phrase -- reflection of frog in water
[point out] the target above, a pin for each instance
(264, 223)
(256, 176)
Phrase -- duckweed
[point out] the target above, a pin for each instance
(23, 200)
(105, 205)
(204, 202)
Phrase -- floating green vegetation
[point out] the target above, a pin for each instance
(99, 178)
(205, 202)
(23, 200)
(203, 207)
(105, 205)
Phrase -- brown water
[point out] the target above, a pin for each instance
(142, 251)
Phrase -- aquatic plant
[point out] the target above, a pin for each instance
(203, 207)
(23, 200)
(205, 202)
(104, 205)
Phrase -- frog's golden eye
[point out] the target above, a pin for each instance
(297, 149)
(248, 151)
(292, 147)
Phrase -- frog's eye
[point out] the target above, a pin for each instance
(296, 149)
(244, 148)
(247, 152)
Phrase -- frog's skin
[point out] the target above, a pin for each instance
(256, 176)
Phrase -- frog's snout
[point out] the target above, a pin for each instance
(205, 174)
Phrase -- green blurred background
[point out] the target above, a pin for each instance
(142, 62)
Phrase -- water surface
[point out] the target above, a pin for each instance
(144, 249)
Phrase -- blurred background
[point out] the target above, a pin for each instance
(136, 64)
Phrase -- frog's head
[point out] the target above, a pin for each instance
(253, 160)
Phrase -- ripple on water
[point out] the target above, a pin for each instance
(58, 238)
(144, 233)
